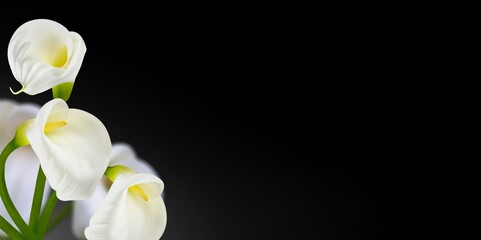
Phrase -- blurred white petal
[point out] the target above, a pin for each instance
(6, 105)
(124, 154)
(83, 210)
(22, 165)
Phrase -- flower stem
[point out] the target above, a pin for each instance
(10, 230)
(47, 212)
(37, 199)
(7, 201)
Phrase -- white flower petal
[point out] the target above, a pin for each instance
(20, 114)
(84, 209)
(73, 157)
(122, 154)
(12, 114)
(22, 165)
(21, 174)
(6, 106)
(124, 215)
(31, 48)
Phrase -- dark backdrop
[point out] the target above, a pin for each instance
(255, 120)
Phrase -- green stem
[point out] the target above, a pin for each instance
(10, 230)
(7, 201)
(47, 212)
(60, 216)
(37, 199)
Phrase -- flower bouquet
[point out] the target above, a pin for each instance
(53, 152)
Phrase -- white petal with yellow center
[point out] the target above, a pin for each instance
(122, 154)
(43, 53)
(124, 215)
(73, 147)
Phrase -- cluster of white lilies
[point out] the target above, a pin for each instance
(53, 152)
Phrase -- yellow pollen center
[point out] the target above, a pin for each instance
(54, 125)
(139, 192)
(59, 56)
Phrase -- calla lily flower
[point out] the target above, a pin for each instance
(73, 148)
(122, 154)
(125, 214)
(43, 54)
(22, 165)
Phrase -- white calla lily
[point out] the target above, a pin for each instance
(126, 215)
(22, 165)
(73, 148)
(43, 54)
(122, 154)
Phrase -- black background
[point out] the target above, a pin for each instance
(262, 123)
